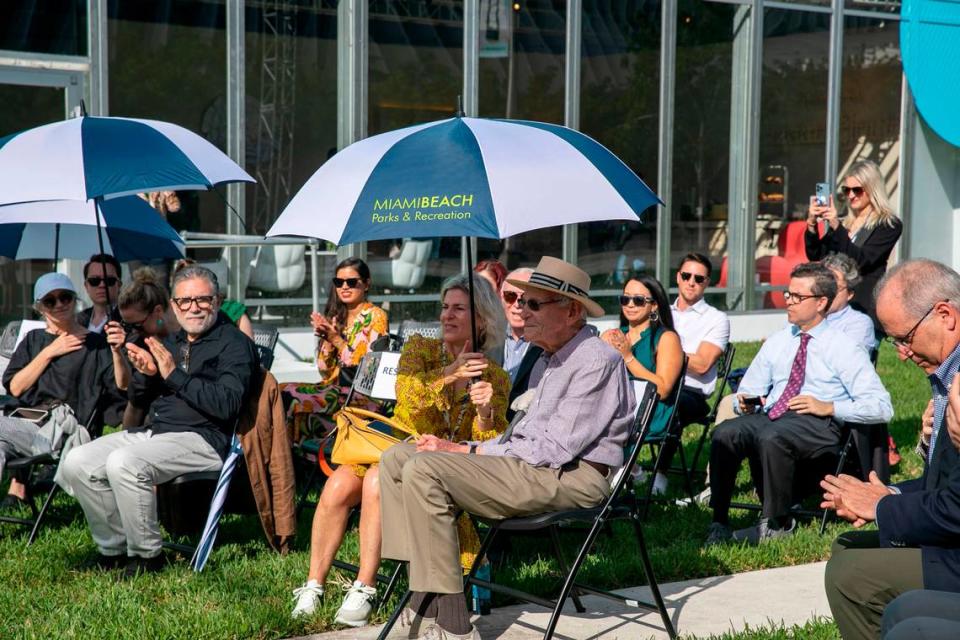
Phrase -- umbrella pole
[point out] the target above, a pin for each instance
(103, 260)
(56, 245)
(474, 345)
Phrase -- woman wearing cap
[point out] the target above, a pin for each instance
(867, 235)
(434, 396)
(62, 363)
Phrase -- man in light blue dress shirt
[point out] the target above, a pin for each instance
(806, 381)
(842, 316)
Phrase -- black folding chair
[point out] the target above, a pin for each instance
(36, 472)
(672, 433)
(265, 338)
(723, 370)
(425, 329)
(622, 504)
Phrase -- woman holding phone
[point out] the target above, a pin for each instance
(868, 234)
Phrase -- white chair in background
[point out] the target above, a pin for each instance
(406, 271)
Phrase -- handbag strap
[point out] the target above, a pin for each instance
(399, 426)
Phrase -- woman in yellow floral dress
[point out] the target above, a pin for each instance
(345, 330)
(444, 388)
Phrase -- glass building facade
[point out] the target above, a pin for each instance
(732, 111)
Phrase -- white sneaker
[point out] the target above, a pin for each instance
(357, 605)
(307, 598)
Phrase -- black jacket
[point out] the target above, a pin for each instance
(927, 515)
(207, 390)
(871, 253)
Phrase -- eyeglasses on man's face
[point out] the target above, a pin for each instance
(686, 275)
(792, 297)
(203, 302)
(906, 341)
(535, 305)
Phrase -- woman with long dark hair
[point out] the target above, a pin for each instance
(345, 330)
(647, 341)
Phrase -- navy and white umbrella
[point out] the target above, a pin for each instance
(132, 230)
(90, 157)
(210, 528)
(464, 177)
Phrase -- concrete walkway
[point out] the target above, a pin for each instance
(698, 608)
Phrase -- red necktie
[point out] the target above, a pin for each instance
(795, 382)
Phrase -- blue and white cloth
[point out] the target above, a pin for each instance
(464, 177)
(940, 381)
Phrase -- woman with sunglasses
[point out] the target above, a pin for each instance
(867, 235)
(61, 363)
(445, 388)
(647, 341)
(345, 330)
(144, 307)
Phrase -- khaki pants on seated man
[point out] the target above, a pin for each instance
(421, 494)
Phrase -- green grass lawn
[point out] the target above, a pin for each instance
(246, 590)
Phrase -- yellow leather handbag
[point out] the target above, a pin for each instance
(359, 443)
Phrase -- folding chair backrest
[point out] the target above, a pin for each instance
(377, 376)
(265, 336)
(8, 340)
(723, 370)
(646, 394)
(674, 399)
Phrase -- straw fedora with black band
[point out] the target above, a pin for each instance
(562, 278)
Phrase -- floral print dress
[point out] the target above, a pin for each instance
(313, 405)
(424, 403)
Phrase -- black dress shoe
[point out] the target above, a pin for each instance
(13, 503)
(137, 565)
(101, 562)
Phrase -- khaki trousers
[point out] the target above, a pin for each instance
(421, 494)
(862, 578)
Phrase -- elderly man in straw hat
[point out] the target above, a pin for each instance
(577, 423)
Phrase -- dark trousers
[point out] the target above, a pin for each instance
(923, 615)
(862, 578)
(691, 407)
(774, 448)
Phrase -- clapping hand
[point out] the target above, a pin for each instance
(165, 362)
(852, 499)
(142, 360)
(953, 412)
(616, 339)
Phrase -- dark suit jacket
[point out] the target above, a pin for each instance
(871, 253)
(522, 380)
(927, 515)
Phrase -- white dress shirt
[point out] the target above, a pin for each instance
(701, 323)
(855, 324)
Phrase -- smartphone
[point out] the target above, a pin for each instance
(33, 415)
(751, 401)
(823, 194)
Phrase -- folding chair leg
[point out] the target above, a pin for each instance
(392, 620)
(38, 519)
(652, 581)
(394, 579)
(302, 500)
(687, 472)
(840, 464)
(574, 594)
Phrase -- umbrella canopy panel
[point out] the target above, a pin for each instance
(131, 229)
(464, 177)
(90, 157)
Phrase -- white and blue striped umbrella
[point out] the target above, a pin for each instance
(132, 230)
(212, 525)
(90, 157)
(464, 177)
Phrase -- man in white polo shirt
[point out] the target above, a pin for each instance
(704, 332)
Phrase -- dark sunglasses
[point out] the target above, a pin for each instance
(64, 297)
(132, 326)
(638, 301)
(684, 275)
(857, 191)
(534, 305)
(510, 296)
(95, 281)
(353, 283)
